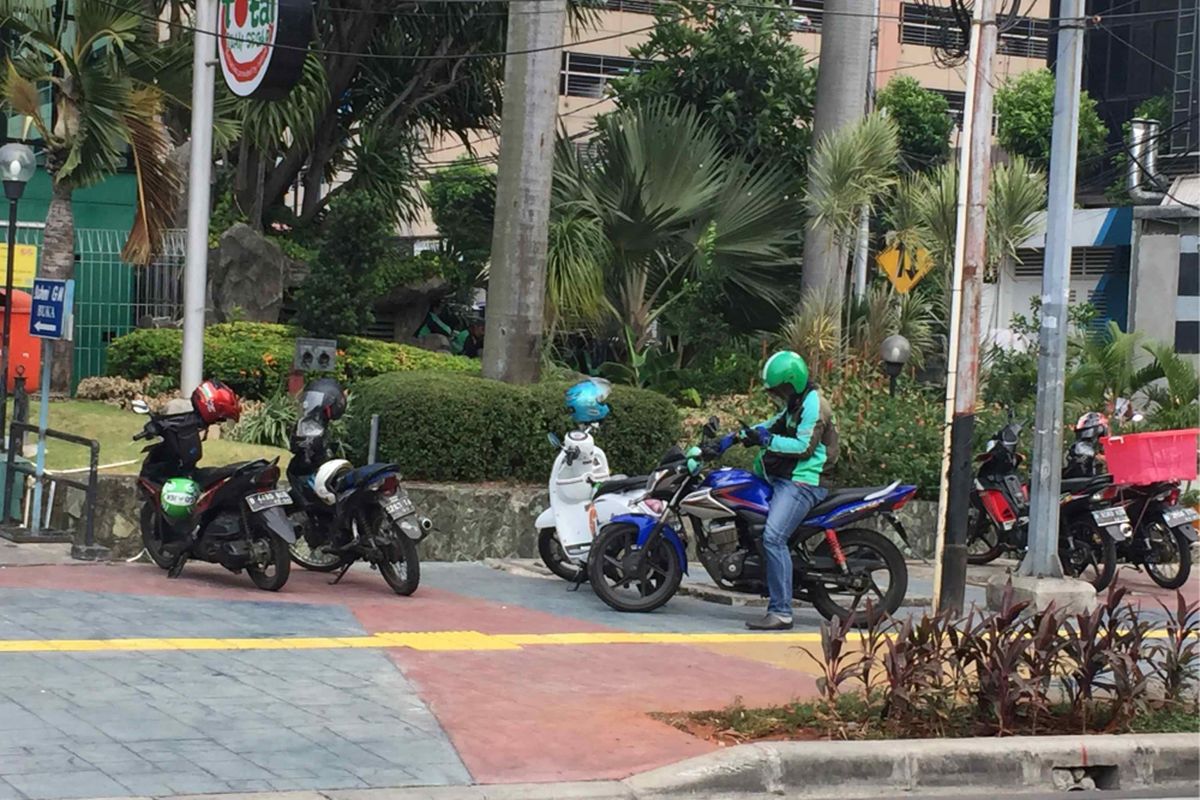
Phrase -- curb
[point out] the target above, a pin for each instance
(981, 765)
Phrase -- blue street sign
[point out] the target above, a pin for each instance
(53, 303)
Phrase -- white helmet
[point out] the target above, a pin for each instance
(326, 479)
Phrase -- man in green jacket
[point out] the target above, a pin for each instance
(799, 449)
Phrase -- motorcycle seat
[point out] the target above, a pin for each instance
(842, 497)
(621, 485)
(1077, 485)
(208, 476)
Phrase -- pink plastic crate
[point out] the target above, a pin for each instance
(1141, 458)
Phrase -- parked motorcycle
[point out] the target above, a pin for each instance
(231, 515)
(1091, 519)
(1162, 531)
(638, 560)
(346, 514)
(584, 495)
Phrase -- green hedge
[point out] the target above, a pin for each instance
(448, 427)
(255, 358)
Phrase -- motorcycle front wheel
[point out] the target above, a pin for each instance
(871, 557)
(554, 557)
(1090, 554)
(629, 578)
(318, 558)
(1169, 562)
(400, 565)
(270, 572)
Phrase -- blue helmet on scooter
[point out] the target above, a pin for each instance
(585, 400)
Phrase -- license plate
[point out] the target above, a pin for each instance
(1174, 517)
(272, 499)
(1110, 517)
(398, 505)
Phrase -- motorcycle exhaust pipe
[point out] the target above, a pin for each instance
(426, 523)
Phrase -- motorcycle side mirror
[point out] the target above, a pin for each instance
(711, 427)
(555, 442)
(140, 407)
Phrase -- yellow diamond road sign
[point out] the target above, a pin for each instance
(903, 266)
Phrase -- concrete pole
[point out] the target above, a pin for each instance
(841, 87)
(863, 245)
(1041, 560)
(195, 274)
(517, 280)
(962, 363)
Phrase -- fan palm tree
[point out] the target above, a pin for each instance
(100, 113)
(672, 206)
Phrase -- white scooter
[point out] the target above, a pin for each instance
(584, 496)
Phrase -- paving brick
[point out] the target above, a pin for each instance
(52, 759)
(9, 792)
(66, 785)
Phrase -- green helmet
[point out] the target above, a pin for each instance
(785, 367)
(178, 497)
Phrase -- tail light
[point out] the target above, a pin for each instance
(1173, 497)
(998, 508)
(389, 485)
(268, 478)
(902, 501)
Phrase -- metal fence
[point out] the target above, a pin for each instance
(112, 297)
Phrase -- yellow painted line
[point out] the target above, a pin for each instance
(430, 641)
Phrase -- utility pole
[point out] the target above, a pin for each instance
(841, 86)
(863, 246)
(1041, 560)
(195, 272)
(962, 362)
(517, 280)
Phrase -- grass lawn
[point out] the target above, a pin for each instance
(114, 429)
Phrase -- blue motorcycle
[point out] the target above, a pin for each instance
(638, 560)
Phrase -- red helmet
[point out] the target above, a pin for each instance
(215, 402)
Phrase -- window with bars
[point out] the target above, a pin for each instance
(585, 75)
(1086, 262)
(957, 102)
(811, 14)
(632, 6)
(1028, 37)
(929, 26)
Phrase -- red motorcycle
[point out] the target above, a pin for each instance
(1091, 519)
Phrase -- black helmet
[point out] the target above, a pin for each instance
(326, 395)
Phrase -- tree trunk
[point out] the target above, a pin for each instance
(512, 347)
(58, 261)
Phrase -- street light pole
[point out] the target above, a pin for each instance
(1041, 561)
(16, 168)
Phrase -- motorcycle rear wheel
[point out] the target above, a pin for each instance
(867, 548)
(271, 574)
(1172, 543)
(401, 564)
(554, 557)
(1088, 553)
(615, 553)
(983, 539)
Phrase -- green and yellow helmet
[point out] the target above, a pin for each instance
(785, 368)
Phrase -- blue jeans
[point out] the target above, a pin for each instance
(790, 504)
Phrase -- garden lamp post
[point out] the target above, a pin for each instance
(895, 352)
(16, 168)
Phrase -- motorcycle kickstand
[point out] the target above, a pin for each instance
(341, 573)
(579, 580)
(176, 569)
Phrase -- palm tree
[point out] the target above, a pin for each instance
(101, 112)
(671, 206)
(850, 170)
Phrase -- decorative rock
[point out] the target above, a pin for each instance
(248, 274)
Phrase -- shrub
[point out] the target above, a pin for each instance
(254, 357)
(448, 427)
(343, 275)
